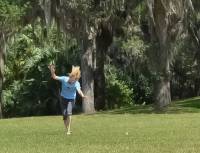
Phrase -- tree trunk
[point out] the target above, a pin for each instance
(162, 93)
(194, 32)
(197, 80)
(166, 25)
(103, 40)
(1, 99)
(87, 74)
(161, 56)
(2, 58)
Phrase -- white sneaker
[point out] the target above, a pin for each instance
(69, 132)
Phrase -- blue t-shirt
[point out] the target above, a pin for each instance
(68, 90)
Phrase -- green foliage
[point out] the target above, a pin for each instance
(26, 70)
(9, 96)
(133, 56)
(28, 88)
(134, 47)
(10, 15)
(143, 89)
(118, 92)
(185, 70)
(26, 53)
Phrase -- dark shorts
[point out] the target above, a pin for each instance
(66, 107)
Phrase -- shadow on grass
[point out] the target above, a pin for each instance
(132, 110)
(193, 102)
(191, 105)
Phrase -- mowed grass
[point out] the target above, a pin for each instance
(129, 130)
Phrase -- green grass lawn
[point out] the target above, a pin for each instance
(128, 130)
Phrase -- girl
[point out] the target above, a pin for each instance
(70, 85)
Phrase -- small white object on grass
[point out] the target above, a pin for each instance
(126, 133)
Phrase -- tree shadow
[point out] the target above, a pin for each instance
(194, 103)
(191, 105)
(138, 109)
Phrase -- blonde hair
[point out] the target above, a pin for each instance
(75, 72)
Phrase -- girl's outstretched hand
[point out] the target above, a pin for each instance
(85, 97)
(52, 68)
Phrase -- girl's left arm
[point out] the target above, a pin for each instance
(81, 93)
